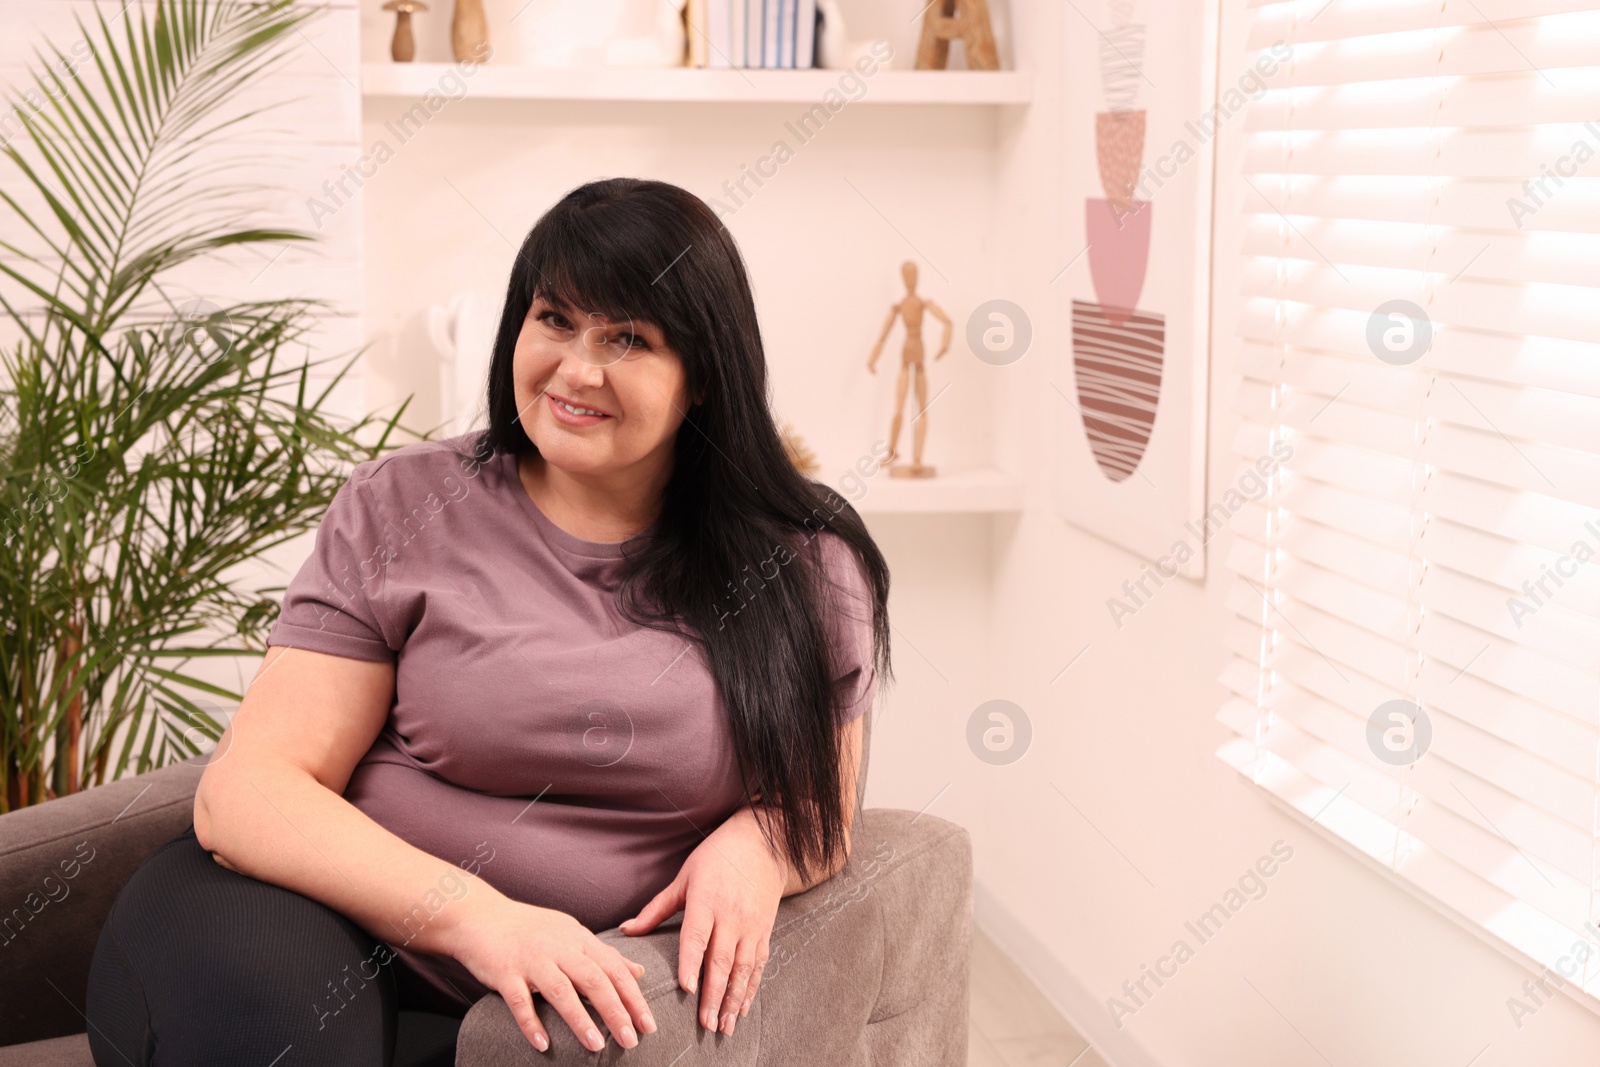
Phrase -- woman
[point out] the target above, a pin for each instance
(600, 663)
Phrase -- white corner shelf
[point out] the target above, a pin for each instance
(697, 84)
(980, 491)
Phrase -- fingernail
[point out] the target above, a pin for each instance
(629, 1038)
(744, 1009)
(541, 1042)
(727, 1024)
(649, 1023)
(693, 983)
(593, 1040)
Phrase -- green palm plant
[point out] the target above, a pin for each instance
(150, 448)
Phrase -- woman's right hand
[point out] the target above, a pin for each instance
(518, 949)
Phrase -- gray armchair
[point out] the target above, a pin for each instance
(867, 968)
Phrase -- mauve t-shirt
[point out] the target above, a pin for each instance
(538, 739)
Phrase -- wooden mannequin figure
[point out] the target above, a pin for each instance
(910, 312)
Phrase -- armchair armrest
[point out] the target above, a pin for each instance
(887, 936)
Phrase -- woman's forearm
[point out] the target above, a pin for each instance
(276, 823)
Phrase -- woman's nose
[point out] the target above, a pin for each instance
(582, 367)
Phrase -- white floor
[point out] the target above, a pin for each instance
(1012, 1025)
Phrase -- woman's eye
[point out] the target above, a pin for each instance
(554, 319)
(630, 341)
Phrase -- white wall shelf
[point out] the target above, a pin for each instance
(699, 85)
(980, 491)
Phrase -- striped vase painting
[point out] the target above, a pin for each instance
(1116, 347)
(1117, 356)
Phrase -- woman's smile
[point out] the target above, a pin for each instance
(571, 413)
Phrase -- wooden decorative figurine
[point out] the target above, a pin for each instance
(946, 20)
(403, 49)
(910, 312)
(469, 32)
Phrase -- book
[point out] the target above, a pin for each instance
(786, 34)
(736, 33)
(754, 33)
(719, 23)
(805, 35)
(769, 33)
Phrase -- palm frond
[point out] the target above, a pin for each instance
(146, 453)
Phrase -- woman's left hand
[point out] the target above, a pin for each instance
(728, 890)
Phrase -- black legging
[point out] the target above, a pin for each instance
(197, 964)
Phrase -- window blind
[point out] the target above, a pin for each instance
(1434, 537)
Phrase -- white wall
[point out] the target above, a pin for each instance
(1365, 973)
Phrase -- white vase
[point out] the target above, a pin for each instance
(833, 40)
(601, 33)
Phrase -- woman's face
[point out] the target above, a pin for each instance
(628, 386)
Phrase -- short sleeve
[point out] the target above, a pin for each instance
(847, 607)
(332, 604)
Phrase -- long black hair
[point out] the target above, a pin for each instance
(648, 250)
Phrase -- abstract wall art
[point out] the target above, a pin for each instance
(1133, 421)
